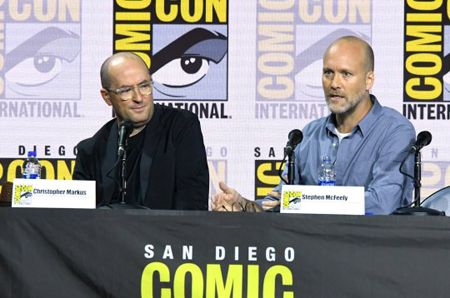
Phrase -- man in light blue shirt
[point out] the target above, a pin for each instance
(370, 156)
(366, 142)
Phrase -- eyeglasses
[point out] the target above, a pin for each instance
(126, 93)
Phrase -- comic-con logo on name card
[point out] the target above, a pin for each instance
(426, 94)
(291, 200)
(23, 194)
(185, 45)
(292, 37)
(40, 44)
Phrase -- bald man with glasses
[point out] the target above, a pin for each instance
(166, 159)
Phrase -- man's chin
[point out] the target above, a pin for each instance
(333, 107)
(338, 110)
(140, 119)
(139, 122)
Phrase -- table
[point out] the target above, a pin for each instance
(146, 253)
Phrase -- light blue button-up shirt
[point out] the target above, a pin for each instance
(370, 156)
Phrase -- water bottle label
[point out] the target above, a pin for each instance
(327, 183)
(30, 176)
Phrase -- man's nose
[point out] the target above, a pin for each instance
(137, 95)
(335, 82)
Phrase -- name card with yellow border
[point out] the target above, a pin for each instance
(39, 193)
(307, 199)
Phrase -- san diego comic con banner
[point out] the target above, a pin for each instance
(81, 253)
(250, 70)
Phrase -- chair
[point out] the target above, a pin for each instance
(6, 195)
(440, 200)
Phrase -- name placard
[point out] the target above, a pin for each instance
(309, 199)
(39, 193)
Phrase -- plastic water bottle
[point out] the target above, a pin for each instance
(326, 172)
(31, 167)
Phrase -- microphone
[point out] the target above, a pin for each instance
(125, 129)
(423, 139)
(295, 137)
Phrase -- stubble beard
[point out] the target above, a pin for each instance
(349, 106)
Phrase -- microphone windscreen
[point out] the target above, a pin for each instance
(295, 137)
(423, 139)
(125, 129)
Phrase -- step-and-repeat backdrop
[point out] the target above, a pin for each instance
(251, 71)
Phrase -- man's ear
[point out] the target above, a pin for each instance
(370, 78)
(105, 96)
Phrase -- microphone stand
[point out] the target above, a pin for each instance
(417, 177)
(417, 209)
(122, 158)
(123, 180)
(291, 167)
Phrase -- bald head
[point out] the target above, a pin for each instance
(369, 60)
(115, 59)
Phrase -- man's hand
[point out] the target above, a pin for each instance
(228, 200)
(270, 204)
(231, 200)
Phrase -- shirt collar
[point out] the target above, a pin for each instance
(369, 120)
(365, 124)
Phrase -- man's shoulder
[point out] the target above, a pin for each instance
(317, 124)
(393, 117)
(392, 125)
(100, 135)
(170, 114)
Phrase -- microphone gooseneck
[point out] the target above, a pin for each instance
(125, 129)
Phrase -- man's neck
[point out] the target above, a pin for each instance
(137, 130)
(347, 121)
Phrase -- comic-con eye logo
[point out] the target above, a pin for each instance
(40, 59)
(44, 65)
(185, 45)
(190, 65)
